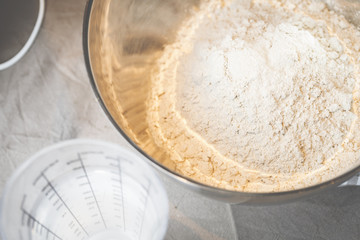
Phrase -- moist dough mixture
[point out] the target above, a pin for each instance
(259, 96)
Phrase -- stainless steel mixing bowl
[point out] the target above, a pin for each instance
(122, 40)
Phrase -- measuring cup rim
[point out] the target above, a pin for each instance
(79, 141)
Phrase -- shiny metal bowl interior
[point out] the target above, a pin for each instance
(122, 40)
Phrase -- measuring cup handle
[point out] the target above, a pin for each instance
(354, 181)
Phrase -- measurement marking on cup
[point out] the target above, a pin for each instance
(63, 202)
(92, 152)
(91, 188)
(72, 224)
(48, 191)
(32, 220)
(145, 203)
(44, 170)
(84, 184)
(119, 173)
(58, 208)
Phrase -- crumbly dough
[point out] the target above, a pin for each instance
(259, 96)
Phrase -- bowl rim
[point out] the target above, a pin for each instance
(184, 179)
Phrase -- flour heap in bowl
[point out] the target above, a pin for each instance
(259, 96)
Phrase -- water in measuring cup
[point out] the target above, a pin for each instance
(90, 197)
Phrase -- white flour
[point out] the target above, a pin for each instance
(258, 96)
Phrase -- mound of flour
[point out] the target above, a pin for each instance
(256, 96)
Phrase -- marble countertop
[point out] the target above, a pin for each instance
(46, 98)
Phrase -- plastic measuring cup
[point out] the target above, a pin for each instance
(84, 189)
